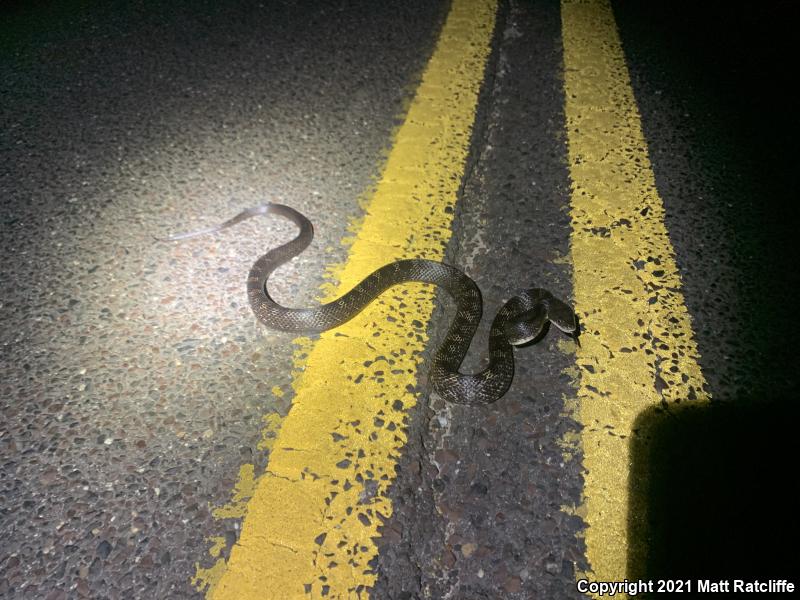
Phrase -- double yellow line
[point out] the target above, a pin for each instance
(310, 523)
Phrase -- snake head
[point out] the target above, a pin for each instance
(562, 316)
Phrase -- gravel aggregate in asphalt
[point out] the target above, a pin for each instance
(134, 377)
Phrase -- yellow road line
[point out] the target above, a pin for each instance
(310, 522)
(638, 346)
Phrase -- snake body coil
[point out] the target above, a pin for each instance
(522, 319)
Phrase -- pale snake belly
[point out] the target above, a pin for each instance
(522, 319)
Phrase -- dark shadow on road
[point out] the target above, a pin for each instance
(711, 491)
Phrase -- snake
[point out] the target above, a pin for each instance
(523, 319)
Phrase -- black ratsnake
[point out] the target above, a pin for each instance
(524, 318)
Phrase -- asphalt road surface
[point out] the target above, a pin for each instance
(147, 417)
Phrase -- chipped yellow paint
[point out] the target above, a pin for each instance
(217, 545)
(277, 391)
(310, 525)
(243, 491)
(269, 433)
(567, 347)
(302, 346)
(206, 580)
(638, 347)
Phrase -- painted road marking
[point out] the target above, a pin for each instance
(309, 526)
(638, 347)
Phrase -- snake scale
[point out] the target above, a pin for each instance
(522, 319)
